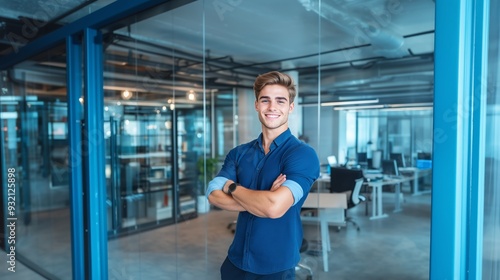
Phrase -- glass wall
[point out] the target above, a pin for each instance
(406, 132)
(165, 75)
(35, 153)
(178, 96)
(491, 241)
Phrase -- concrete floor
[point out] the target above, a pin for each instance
(396, 247)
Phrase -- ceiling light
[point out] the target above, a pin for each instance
(359, 107)
(191, 95)
(349, 102)
(423, 104)
(126, 95)
(420, 108)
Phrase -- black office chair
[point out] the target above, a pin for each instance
(232, 226)
(344, 180)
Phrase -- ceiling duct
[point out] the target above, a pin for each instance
(384, 42)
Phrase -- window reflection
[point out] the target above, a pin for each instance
(491, 243)
(35, 145)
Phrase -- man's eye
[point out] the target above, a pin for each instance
(264, 101)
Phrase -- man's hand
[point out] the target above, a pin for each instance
(278, 182)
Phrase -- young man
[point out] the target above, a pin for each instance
(267, 181)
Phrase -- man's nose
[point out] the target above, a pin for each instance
(273, 105)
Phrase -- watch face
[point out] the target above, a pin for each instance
(232, 187)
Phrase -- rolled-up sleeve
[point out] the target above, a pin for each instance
(296, 190)
(217, 183)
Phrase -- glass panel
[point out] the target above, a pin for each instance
(376, 102)
(202, 70)
(491, 240)
(81, 10)
(154, 120)
(159, 134)
(34, 124)
(409, 133)
(24, 21)
(36, 16)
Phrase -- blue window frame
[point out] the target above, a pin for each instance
(456, 226)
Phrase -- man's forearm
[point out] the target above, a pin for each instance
(264, 204)
(224, 201)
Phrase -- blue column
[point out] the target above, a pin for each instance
(476, 135)
(456, 226)
(93, 151)
(74, 85)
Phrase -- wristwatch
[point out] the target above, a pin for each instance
(231, 188)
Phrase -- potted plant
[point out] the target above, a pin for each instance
(206, 167)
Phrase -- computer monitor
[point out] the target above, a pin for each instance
(351, 154)
(332, 160)
(399, 158)
(422, 155)
(362, 158)
(390, 167)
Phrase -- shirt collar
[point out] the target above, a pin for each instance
(278, 140)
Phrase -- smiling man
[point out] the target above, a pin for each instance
(266, 180)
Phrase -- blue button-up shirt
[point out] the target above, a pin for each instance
(264, 245)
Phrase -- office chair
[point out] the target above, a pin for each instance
(232, 226)
(348, 180)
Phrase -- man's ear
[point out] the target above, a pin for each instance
(292, 105)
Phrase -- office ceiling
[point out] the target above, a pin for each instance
(376, 49)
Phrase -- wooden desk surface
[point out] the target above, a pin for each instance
(326, 200)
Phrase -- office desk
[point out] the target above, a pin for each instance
(416, 173)
(322, 184)
(376, 191)
(377, 202)
(331, 210)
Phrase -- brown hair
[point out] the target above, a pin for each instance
(275, 78)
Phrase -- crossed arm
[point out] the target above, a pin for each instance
(272, 203)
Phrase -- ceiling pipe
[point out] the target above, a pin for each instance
(385, 42)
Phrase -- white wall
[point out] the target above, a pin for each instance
(249, 126)
(328, 136)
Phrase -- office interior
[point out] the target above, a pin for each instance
(115, 116)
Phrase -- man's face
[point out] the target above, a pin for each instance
(273, 107)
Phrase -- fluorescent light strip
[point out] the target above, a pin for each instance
(359, 107)
(351, 102)
(421, 108)
(427, 104)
